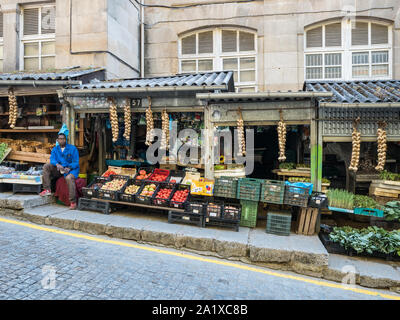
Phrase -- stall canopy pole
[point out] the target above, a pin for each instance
(316, 152)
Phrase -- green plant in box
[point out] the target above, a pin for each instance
(340, 199)
(392, 211)
(365, 202)
(287, 165)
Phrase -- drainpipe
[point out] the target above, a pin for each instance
(142, 39)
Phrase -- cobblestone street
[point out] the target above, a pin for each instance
(37, 264)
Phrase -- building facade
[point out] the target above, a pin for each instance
(59, 34)
(274, 45)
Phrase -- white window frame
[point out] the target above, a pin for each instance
(347, 50)
(217, 55)
(39, 38)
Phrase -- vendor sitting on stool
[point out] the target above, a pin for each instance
(64, 160)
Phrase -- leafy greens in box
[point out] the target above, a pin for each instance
(369, 240)
(392, 211)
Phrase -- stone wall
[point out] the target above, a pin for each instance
(280, 31)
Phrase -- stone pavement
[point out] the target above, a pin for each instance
(38, 264)
(301, 254)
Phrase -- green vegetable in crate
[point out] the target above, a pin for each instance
(386, 175)
(287, 165)
(365, 202)
(3, 148)
(340, 199)
(392, 211)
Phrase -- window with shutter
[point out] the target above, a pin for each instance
(1, 25)
(31, 21)
(333, 35)
(314, 38)
(189, 45)
(359, 35)
(364, 53)
(38, 37)
(229, 41)
(379, 34)
(221, 49)
(206, 42)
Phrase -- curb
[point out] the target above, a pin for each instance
(303, 263)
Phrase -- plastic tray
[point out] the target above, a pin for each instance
(272, 191)
(178, 175)
(226, 187)
(249, 213)
(112, 195)
(232, 211)
(214, 209)
(159, 171)
(186, 218)
(147, 169)
(94, 205)
(196, 205)
(369, 212)
(296, 196)
(88, 192)
(145, 199)
(249, 189)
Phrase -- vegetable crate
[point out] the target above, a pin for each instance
(187, 218)
(330, 246)
(232, 211)
(369, 212)
(221, 222)
(148, 170)
(318, 200)
(177, 176)
(27, 188)
(249, 213)
(94, 205)
(272, 191)
(296, 196)
(249, 189)
(279, 223)
(129, 197)
(226, 187)
(160, 201)
(179, 204)
(112, 194)
(159, 172)
(145, 199)
(307, 221)
(195, 205)
(214, 209)
(91, 190)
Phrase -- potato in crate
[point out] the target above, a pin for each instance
(129, 192)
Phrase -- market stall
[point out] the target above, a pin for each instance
(31, 115)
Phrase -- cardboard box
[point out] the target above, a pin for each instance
(202, 187)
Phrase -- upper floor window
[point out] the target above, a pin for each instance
(221, 49)
(346, 51)
(38, 38)
(1, 43)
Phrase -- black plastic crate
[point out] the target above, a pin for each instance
(90, 192)
(214, 209)
(94, 205)
(129, 197)
(146, 199)
(178, 174)
(4, 187)
(318, 200)
(232, 211)
(220, 222)
(330, 246)
(226, 187)
(186, 217)
(164, 202)
(296, 196)
(110, 194)
(27, 188)
(196, 205)
(178, 204)
(147, 169)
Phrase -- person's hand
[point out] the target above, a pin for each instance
(67, 170)
(59, 167)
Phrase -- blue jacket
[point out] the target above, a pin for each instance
(69, 158)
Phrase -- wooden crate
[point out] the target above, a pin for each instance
(307, 220)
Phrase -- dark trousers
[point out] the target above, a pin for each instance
(50, 172)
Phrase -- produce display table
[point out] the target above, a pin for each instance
(29, 156)
(122, 163)
(292, 173)
(139, 205)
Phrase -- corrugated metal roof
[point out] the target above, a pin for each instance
(357, 91)
(198, 79)
(59, 75)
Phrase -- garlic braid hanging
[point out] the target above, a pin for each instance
(149, 124)
(241, 137)
(13, 108)
(282, 138)
(382, 146)
(114, 119)
(356, 145)
(165, 130)
(127, 120)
